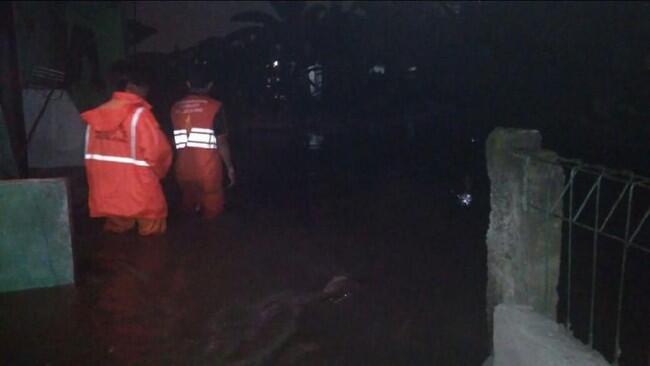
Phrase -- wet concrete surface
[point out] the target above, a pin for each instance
(190, 297)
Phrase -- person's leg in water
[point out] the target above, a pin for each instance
(148, 227)
(212, 198)
(191, 196)
(116, 224)
(212, 204)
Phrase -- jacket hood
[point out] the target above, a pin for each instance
(110, 115)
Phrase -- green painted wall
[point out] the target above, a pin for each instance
(35, 236)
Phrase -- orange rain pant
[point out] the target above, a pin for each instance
(199, 174)
(146, 227)
(211, 203)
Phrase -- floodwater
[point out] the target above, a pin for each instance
(232, 291)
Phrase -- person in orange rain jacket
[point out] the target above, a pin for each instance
(200, 136)
(126, 155)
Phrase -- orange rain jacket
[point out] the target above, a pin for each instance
(196, 142)
(126, 155)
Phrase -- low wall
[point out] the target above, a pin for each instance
(35, 235)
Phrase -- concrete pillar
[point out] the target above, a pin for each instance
(542, 231)
(523, 243)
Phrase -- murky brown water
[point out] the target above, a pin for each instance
(419, 263)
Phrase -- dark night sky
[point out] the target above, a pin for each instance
(184, 23)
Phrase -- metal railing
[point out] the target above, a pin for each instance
(609, 205)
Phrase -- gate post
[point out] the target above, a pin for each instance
(523, 240)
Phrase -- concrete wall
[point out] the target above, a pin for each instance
(524, 337)
(58, 140)
(524, 242)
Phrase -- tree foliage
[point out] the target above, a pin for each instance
(507, 61)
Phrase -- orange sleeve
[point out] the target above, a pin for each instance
(153, 144)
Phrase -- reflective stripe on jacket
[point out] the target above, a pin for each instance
(201, 138)
(196, 141)
(126, 154)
